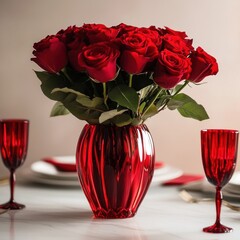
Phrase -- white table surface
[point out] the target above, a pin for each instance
(63, 213)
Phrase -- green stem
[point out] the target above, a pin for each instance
(179, 90)
(130, 80)
(64, 72)
(105, 94)
(152, 102)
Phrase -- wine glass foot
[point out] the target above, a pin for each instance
(12, 206)
(217, 228)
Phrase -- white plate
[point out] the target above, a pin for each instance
(235, 180)
(49, 170)
(45, 169)
(234, 184)
(165, 173)
(63, 182)
(46, 173)
(63, 159)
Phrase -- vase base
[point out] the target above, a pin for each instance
(113, 214)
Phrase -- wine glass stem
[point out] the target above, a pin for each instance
(218, 200)
(12, 184)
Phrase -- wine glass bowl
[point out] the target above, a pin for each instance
(219, 156)
(13, 149)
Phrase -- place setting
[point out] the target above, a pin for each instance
(61, 171)
(202, 189)
(219, 149)
(54, 171)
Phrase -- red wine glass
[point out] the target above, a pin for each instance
(219, 154)
(13, 148)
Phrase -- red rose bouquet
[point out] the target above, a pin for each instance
(121, 75)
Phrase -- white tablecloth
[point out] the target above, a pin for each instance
(63, 213)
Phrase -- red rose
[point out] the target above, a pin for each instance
(203, 65)
(74, 39)
(124, 28)
(151, 33)
(50, 54)
(99, 33)
(176, 44)
(182, 35)
(171, 68)
(89, 26)
(138, 50)
(99, 60)
(70, 35)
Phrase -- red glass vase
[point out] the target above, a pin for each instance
(115, 166)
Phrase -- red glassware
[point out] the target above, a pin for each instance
(219, 154)
(115, 166)
(13, 146)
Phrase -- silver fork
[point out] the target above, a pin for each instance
(186, 196)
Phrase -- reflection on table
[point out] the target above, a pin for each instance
(63, 213)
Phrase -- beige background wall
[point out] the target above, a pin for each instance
(213, 24)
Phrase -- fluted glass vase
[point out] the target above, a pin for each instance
(115, 166)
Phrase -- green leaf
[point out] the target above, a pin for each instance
(136, 121)
(46, 76)
(83, 113)
(91, 103)
(68, 90)
(193, 110)
(174, 104)
(122, 120)
(150, 112)
(141, 81)
(190, 108)
(110, 114)
(124, 96)
(58, 109)
(81, 106)
(182, 97)
(51, 81)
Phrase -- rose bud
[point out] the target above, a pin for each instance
(203, 65)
